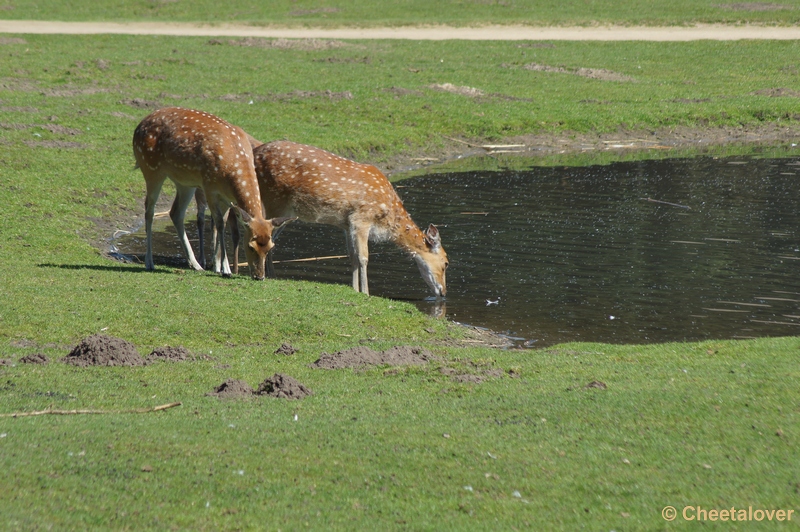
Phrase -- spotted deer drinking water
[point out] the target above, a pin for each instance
(319, 187)
(198, 150)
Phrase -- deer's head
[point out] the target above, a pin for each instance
(432, 261)
(258, 240)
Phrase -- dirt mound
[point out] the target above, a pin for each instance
(35, 358)
(102, 350)
(170, 354)
(357, 357)
(283, 386)
(232, 389)
(285, 349)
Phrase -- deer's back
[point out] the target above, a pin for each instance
(319, 186)
(192, 147)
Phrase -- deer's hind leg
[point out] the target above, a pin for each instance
(177, 213)
(154, 181)
(200, 200)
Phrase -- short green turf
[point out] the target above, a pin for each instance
(574, 436)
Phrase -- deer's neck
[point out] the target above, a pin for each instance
(407, 235)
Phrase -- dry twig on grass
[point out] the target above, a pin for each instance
(75, 412)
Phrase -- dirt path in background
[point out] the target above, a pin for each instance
(495, 33)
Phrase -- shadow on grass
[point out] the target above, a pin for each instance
(134, 268)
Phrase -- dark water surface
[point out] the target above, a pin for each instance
(581, 253)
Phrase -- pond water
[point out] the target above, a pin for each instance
(635, 252)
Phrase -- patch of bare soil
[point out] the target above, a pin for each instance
(6, 362)
(302, 95)
(126, 116)
(140, 103)
(697, 139)
(28, 85)
(232, 389)
(778, 93)
(470, 372)
(102, 350)
(52, 128)
(284, 44)
(35, 358)
(591, 73)
(59, 144)
(470, 92)
(753, 6)
(284, 387)
(470, 377)
(12, 40)
(314, 11)
(469, 336)
(345, 60)
(400, 91)
(170, 354)
(245, 97)
(285, 349)
(23, 343)
(455, 89)
(359, 357)
(17, 109)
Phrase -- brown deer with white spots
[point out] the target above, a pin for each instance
(319, 187)
(198, 150)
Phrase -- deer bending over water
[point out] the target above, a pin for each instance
(198, 150)
(317, 186)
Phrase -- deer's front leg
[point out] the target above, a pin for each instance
(236, 238)
(358, 249)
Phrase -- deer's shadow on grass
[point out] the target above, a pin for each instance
(123, 268)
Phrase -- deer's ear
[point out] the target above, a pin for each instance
(277, 222)
(246, 218)
(432, 238)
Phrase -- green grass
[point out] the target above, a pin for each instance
(381, 98)
(712, 424)
(408, 12)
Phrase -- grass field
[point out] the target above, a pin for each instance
(411, 12)
(374, 99)
(535, 445)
